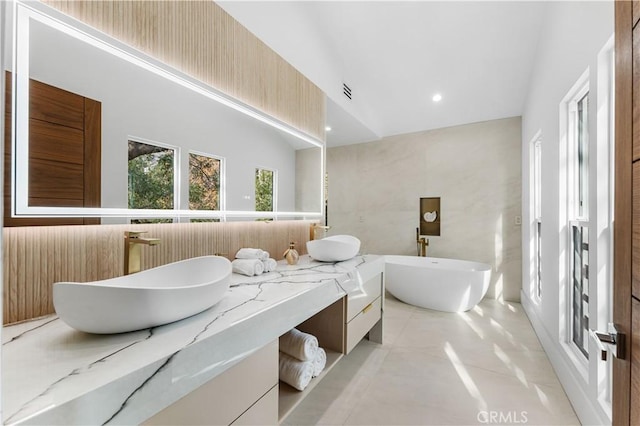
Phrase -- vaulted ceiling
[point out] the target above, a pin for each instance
(396, 55)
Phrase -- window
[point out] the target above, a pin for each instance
(152, 168)
(578, 211)
(536, 192)
(264, 190)
(580, 286)
(581, 147)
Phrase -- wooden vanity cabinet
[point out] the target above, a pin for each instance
(342, 325)
(364, 313)
(249, 392)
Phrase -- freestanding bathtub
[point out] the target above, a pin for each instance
(442, 284)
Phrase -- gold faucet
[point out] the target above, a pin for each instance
(313, 228)
(423, 243)
(132, 243)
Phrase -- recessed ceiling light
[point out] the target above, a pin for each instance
(327, 128)
(437, 97)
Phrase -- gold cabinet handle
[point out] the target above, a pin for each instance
(367, 308)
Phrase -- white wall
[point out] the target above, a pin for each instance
(572, 36)
(137, 103)
(308, 180)
(375, 190)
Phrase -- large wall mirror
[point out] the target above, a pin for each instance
(169, 147)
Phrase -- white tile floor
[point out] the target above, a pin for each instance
(485, 366)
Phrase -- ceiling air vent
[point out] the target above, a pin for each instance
(346, 90)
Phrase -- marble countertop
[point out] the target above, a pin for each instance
(53, 374)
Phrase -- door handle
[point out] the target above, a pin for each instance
(611, 340)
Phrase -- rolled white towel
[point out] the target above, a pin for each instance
(270, 265)
(248, 267)
(252, 253)
(319, 362)
(297, 344)
(295, 372)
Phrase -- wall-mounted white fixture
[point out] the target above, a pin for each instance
(430, 216)
(437, 97)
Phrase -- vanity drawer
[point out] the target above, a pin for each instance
(358, 327)
(357, 300)
(228, 396)
(263, 412)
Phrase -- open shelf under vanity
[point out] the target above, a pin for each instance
(289, 398)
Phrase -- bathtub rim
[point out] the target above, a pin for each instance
(441, 263)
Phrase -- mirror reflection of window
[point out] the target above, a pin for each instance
(147, 221)
(204, 182)
(205, 189)
(203, 220)
(151, 178)
(265, 184)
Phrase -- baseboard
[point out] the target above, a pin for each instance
(587, 410)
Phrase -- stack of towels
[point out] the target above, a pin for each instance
(301, 359)
(253, 261)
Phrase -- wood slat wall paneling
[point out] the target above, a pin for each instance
(36, 257)
(200, 39)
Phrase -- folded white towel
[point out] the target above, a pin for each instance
(252, 253)
(294, 372)
(319, 362)
(248, 267)
(270, 265)
(302, 346)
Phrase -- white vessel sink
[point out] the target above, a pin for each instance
(146, 299)
(334, 249)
